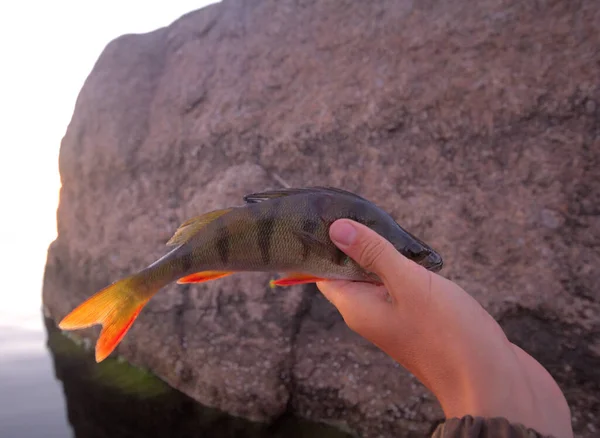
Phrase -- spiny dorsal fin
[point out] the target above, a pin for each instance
(190, 227)
(270, 194)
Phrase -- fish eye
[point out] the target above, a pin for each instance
(416, 255)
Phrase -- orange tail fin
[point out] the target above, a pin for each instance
(115, 307)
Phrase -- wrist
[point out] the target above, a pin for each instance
(485, 381)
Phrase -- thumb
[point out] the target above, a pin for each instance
(375, 254)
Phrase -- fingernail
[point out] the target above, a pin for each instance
(342, 233)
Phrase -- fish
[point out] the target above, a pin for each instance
(277, 231)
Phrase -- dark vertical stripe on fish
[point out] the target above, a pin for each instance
(339, 257)
(321, 203)
(361, 214)
(222, 242)
(186, 263)
(265, 232)
(360, 210)
(266, 227)
(309, 226)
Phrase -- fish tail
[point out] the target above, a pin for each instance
(115, 307)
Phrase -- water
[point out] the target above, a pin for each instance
(52, 387)
(31, 398)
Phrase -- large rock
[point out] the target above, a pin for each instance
(476, 124)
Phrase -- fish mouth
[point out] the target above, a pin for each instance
(433, 262)
(416, 250)
(426, 257)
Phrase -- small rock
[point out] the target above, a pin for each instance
(589, 313)
(551, 218)
(590, 106)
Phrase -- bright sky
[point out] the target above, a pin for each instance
(47, 50)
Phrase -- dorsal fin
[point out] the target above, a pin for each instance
(190, 227)
(339, 191)
(270, 194)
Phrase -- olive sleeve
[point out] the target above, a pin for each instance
(479, 427)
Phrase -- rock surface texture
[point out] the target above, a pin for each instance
(476, 124)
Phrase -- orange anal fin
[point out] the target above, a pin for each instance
(296, 278)
(201, 277)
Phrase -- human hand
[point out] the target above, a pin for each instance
(444, 337)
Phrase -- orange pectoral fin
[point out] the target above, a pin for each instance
(201, 277)
(296, 278)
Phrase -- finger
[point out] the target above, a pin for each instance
(375, 254)
(347, 295)
(366, 308)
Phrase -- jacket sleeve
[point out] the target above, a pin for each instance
(479, 427)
